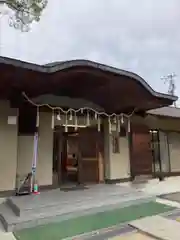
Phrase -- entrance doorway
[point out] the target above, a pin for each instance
(65, 157)
(78, 156)
(141, 153)
(70, 158)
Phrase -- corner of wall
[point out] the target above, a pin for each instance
(8, 147)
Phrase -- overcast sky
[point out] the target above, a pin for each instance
(142, 36)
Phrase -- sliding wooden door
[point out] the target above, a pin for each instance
(141, 153)
(91, 160)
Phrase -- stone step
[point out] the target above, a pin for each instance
(12, 223)
(5, 215)
(63, 207)
(22, 206)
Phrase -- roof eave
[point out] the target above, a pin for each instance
(59, 66)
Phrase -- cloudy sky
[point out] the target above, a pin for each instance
(142, 36)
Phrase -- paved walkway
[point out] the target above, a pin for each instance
(5, 235)
(154, 187)
(133, 236)
(159, 227)
(117, 233)
(94, 222)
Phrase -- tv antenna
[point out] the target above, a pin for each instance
(170, 80)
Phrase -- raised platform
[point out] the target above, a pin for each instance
(51, 206)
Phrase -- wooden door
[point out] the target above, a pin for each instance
(141, 154)
(90, 148)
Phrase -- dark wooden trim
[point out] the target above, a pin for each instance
(130, 152)
(153, 141)
(159, 151)
(169, 156)
(168, 131)
(118, 180)
(48, 187)
(166, 174)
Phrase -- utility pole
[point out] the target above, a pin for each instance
(170, 80)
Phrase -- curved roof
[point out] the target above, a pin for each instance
(112, 89)
(59, 66)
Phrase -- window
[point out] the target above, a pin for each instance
(155, 148)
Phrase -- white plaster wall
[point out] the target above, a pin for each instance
(25, 155)
(8, 148)
(174, 149)
(117, 164)
(45, 150)
(164, 151)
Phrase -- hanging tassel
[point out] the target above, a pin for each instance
(52, 122)
(99, 124)
(82, 110)
(122, 119)
(129, 125)
(119, 125)
(70, 116)
(95, 115)
(66, 122)
(59, 116)
(109, 121)
(87, 120)
(37, 117)
(76, 123)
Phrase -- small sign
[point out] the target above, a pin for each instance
(12, 120)
(33, 170)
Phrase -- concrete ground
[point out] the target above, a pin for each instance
(172, 197)
(133, 236)
(153, 187)
(156, 227)
(156, 187)
(117, 233)
(159, 227)
(4, 235)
